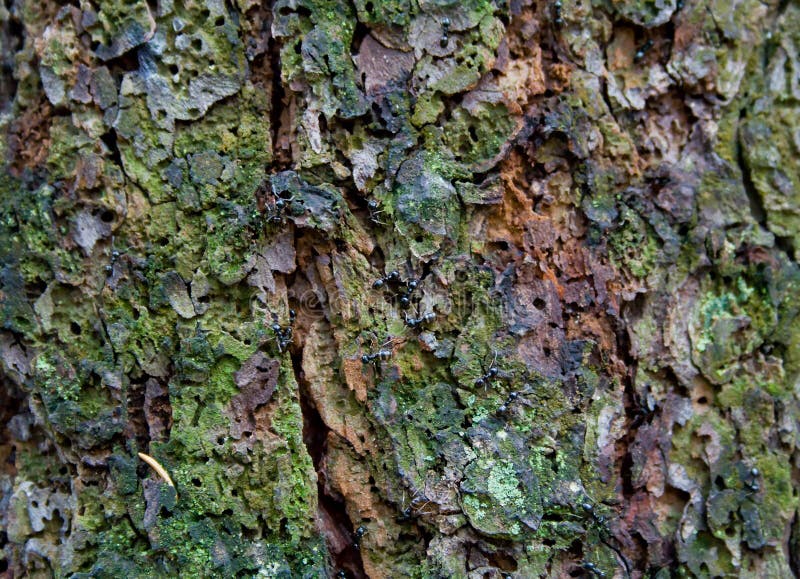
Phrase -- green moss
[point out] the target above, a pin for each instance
(633, 244)
(318, 52)
(503, 485)
(730, 323)
(477, 136)
(385, 12)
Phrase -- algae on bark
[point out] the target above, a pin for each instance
(586, 362)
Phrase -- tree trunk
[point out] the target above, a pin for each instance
(400, 288)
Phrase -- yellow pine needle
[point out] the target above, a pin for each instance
(160, 470)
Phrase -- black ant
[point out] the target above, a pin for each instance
(513, 397)
(488, 375)
(391, 277)
(406, 515)
(418, 322)
(593, 569)
(599, 518)
(381, 355)
(281, 207)
(359, 534)
(412, 511)
(445, 39)
(276, 213)
(752, 482)
(404, 289)
(484, 380)
(374, 211)
(643, 50)
(283, 335)
(558, 20)
(114, 257)
(588, 508)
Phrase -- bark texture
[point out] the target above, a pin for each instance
(400, 288)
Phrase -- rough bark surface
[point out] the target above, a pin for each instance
(400, 288)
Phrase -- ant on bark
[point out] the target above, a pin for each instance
(752, 480)
(358, 535)
(488, 374)
(514, 396)
(381, 355)
(643, 50)
(592, 569)
(402, 288)
(558, 20)
(445, 39)
(421, 321)
(374, 211)
(283, 334)
(413, 510)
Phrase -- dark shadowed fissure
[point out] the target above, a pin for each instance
(332, 515)
(332, 519)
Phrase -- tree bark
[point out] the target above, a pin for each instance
(400, 288)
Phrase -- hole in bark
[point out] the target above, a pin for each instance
(110, 140)
(359, 34)
(539, 303)
(75, 328)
